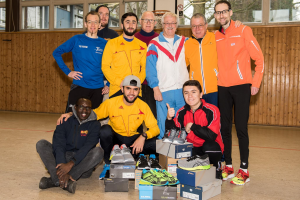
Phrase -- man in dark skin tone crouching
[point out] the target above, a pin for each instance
(73, 152)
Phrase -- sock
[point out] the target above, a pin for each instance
(229, 166)
(245, 170)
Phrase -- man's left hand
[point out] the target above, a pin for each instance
(64, 168)
(105, 90)
(63, 181)
(188, 127)
(138, 145)
(238, 23)
(254, 90)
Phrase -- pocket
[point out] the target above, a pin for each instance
(118, 123)
(135, 122)
(119, 59)
(238, 70)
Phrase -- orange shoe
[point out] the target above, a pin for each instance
(241, 178)
(227, 173)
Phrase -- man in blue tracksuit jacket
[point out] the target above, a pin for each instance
(73, 152)
(87, 50)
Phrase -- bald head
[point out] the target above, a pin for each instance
(147, 21)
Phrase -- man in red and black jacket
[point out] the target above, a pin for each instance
(201, 121)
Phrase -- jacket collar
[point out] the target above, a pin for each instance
(162, 38)
(92, 116)
(232, 24)
(187, 107)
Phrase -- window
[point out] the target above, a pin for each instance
(68, 16)
(136, 7)
(35, 17)
(198, 6)
(2, 19)
(284, 10)
(114, 9)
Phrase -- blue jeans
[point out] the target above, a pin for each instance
(211, 98)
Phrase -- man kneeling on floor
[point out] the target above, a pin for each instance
(126, 114)
(73, 153)
(202, 124)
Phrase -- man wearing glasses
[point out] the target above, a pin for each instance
(166, 69)
(146, 35)
(124, 55)
(235, 46)
(87, 50)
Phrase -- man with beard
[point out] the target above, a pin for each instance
(87, 50)
(124, 55)
(167, 69)
(126, 114)
(235, 46)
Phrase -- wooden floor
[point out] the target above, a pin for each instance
(273, 165)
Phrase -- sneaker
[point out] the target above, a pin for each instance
(149, 177)
(126, 154)
(116, 155)
(169, 135)
(227, 173)
(241, 178)
(166, 175)
(180, 137)
(106, 167)
(195, 163)
(154, 162)
(142, 162)
(46, 183)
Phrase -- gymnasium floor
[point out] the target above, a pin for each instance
(274, 163)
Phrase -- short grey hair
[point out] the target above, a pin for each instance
(171, 15)
(198, 15)
(148, 12)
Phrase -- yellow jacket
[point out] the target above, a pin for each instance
(121, 58)
(203, 61)
(125, 120)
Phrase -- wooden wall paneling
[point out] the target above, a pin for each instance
(288, 80)
(265, 105)
(280, 81)
(14, 65)
(54, 70)
(2, 72)
(297, 75)
(274, 76)
(48, 65)
(8, 77)
(252, 98)
(29, 66)
(38, 68)
(261, 96)
(292, 77)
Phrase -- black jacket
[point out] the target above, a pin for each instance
(107, 33)
(75, 136)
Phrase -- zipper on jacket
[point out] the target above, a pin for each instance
(202, 70)
(238, 70)
(192, 78)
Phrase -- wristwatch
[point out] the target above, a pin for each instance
(145, 135)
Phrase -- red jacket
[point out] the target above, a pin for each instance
(206, 124)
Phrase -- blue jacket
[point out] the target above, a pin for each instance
(76, 136)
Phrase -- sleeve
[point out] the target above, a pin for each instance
(151, 72)
(91, 141)
(179, 118)
(142, 74)
(186, 55)
(151, 123)
(102, 110)
(256, 54)
(59, 143)
(64, 48)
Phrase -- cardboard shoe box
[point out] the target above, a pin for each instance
(168, 163)
(122, 171)
(202, 192)
(157, 192)
(196, 178)
(115, 184)
(174, 150)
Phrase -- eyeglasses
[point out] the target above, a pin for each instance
(198, 26)
(170, 24)
(93, 22)
(84, 107)
(148, 20)
(222, 12)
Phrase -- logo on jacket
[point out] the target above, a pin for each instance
(84, 133)
(142, 48)
(82, 46)
(99, 50)
(232, 44)
(121, 107)
(141, 113)
(122, 43)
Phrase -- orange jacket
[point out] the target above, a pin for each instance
(235, 48)
(203, 61)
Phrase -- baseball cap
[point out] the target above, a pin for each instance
(132, 80)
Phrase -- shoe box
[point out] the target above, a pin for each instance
(122, 171)
(174, 150)
(115, 184)
(168, 163)
(157, 192)
(202, 192)
(196, 178)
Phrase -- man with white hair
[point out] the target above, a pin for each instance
(166, 70)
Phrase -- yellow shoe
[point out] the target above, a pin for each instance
(241, 178)
(227, 173)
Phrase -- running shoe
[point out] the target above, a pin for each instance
(180, 137)
(106, 167)
(154, 162)
(142, 162)
(166, 175)
(126, 154)
(169, 135)
(116, 155)
(227, 173)
(195, 163)
(149, 177)
(241, 178)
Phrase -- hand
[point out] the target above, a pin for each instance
(214, 31)
(188, 127)
(171, 112)
(157, 94)
(75, 75)
(61, 119)
(105, 90)
(238, 23)
(138, 145)
(254, 90)
(64, 168)
(63, 181)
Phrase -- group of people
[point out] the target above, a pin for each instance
(149, 84)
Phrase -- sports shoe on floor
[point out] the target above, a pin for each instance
(241, 178)
(149, 177)
(46, 183)
(154, 162)
(71, 186)
(169, 135)
(227, 173)
(106, 167)
(195, 163)
(126, 154)
(116, 155)
(166, 175)
(180, 137)
(142, 162)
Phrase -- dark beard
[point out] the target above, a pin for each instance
(128, 33)
(128, 99)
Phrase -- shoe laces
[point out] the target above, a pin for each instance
(226, 169)
(241, 174)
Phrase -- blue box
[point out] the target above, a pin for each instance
(196, 178)
(148, 192)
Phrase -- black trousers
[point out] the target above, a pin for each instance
(148, 97)
(239, 98)
(76, 92)
(108, 138)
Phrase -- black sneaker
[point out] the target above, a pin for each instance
(71, 187)
(154, 162)
(142, 162)
(46, 183)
